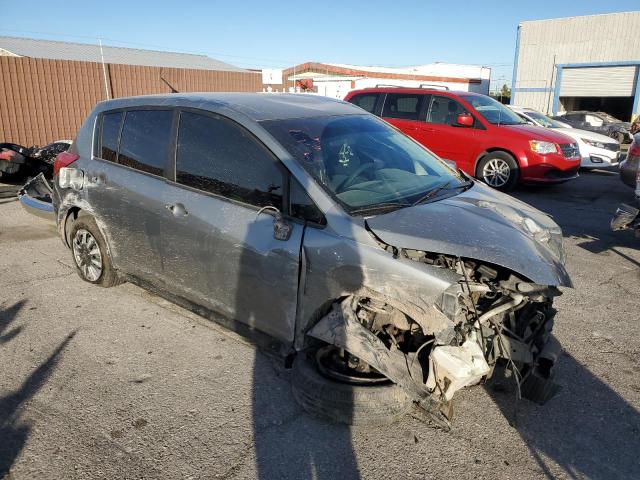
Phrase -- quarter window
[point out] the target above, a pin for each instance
(402, 106)
(218, 156)
(366, 101)
(111, 123)
(302, 206)
(444, 110)
(145, 140)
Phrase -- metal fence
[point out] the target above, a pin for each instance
(46, 100)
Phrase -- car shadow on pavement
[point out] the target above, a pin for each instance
(14, 431)
(288, 442)
(587, 429)
(7, 316)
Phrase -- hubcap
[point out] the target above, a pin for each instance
(496, 172)
(87, 255)
(341, 366)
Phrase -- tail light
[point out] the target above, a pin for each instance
(63, 159)
(634, 148)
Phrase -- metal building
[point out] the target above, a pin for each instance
(579, 63)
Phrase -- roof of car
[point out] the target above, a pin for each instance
(256, 106)
(412, 90)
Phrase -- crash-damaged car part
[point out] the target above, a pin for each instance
(491, 316)
(384, 277)
(35, 197)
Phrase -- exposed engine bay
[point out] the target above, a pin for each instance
(490, 317)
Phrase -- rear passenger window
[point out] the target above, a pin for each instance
(111, 123)
(402, 106)
(145, 140)
(365, 101)
(218, 156)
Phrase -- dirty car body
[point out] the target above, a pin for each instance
(360, 241)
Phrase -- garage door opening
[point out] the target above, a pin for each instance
(619, 107)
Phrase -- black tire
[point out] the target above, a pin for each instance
(108, 276)
(344, 403)
(503, 159)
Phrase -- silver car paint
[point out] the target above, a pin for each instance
(339, 259)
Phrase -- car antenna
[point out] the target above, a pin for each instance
(173, 90)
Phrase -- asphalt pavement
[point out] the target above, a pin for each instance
(119, 383)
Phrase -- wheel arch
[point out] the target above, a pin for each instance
(489, 150)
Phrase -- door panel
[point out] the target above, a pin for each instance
(127, 203)
(218, 250)
(440, 133)
(224, 256)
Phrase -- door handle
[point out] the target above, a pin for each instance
(177, 209)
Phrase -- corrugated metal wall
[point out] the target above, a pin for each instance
(587, 39)
(46, 100)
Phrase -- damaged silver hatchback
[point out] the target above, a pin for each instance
(385, 278)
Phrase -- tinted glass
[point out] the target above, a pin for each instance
(365, 101)
(363, 162)
(110, 131)
(444, 110)
(145, 140)
(218, 156)
(402, 106)
(302, 206)
(492, 111)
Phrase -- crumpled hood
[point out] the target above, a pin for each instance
(485, 225)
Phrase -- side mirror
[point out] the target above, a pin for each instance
(465, 120)
(281, 228)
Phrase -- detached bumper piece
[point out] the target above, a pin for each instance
(35, 197)
(626, 217)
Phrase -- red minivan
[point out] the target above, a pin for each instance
(483, 137)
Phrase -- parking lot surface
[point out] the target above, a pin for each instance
(119, 383)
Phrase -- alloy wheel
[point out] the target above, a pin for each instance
(496, 172)
(86, 253)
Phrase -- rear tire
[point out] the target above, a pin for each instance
(499, 170)
(90, 254)
(342, 402)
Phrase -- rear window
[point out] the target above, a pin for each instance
(402, 106)
(110, 132)
(145, 140)
(366, 101)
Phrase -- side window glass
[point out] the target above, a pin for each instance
(145, 140)
(302, 206)
(444, 110)
(402, 106)
(366, 101)
(110, 131)
(216, 155)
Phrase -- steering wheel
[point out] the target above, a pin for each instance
(348, 181)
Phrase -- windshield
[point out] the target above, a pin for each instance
(493, 111)
(363, 162)
(543, 120)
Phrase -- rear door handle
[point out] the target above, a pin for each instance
(177, 209)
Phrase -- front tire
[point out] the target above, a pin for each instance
(90, 254)
(352, 404)
(499, 170)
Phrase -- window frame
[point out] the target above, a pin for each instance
(170, 148)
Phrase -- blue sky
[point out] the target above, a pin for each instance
(275, 34)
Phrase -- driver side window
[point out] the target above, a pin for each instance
(444, 110)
